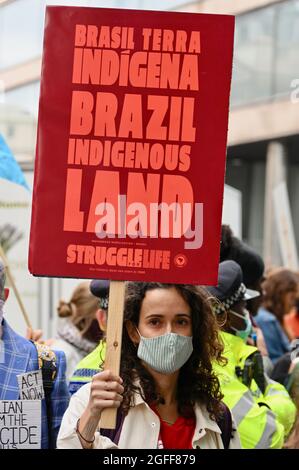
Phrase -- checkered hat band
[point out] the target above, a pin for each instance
(104, 303)
(227, 303)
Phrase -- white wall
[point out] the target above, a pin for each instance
(232, 209)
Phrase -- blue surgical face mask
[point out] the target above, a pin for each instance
(248, 328)
(167, 353)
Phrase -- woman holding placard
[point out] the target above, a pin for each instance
(167, 395)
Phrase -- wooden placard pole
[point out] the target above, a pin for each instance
(14, 287)
(113, 342)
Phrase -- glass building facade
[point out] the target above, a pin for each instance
(266, 58)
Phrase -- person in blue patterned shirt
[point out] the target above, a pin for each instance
(18, 356)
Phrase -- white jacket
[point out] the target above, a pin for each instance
(140, 428)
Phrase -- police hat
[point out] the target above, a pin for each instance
(230, 288)
(100, 288)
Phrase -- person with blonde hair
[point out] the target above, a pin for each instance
(90, 364)
(78, 330)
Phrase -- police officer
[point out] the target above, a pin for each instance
(262, 408)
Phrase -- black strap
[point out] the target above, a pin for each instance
(48, 384)
(47, 364)
(226, 426)
(114, 434)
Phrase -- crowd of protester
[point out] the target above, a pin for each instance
(201, 366)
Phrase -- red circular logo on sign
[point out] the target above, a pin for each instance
(180, 261)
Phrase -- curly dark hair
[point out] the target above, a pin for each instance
(197, 381)
(278, 283)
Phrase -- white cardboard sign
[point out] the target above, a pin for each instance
(20, 424)
(31, 385)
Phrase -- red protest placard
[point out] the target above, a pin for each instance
(131, 146)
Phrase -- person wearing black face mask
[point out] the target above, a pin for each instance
(247, 390)
(253, 267)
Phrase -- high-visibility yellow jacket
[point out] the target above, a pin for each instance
(263, 419)
(88, 367)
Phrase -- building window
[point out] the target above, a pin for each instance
(248, 175)
(253, 57)
(266, 58)
(287, 50)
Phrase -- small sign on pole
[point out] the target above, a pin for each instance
(31, 385)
